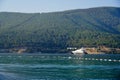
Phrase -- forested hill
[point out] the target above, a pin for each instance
(81, 27)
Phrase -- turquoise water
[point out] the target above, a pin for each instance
(59, 67)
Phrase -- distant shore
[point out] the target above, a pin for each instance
(89, 50)
(103, 49)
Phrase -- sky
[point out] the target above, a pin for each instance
(33, 6)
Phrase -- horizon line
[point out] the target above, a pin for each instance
(61, 10)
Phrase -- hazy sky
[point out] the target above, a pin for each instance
(32, 6)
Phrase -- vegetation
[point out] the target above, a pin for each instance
(58, 30)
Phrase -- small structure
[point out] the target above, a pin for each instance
(80, 51)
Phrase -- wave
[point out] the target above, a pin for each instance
(82, 66)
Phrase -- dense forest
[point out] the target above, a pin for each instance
(59, 30)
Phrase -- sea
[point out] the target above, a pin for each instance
(59, 67)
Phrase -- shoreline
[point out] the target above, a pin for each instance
(89, 50)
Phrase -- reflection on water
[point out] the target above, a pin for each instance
(59, 67)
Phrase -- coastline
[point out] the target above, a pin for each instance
(89, 50)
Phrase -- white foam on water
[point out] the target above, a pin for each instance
(86, 58)
(109, 60)
(105, 59)
(80, 58)
(69, 57)
(114, 60)
(101, 59)
(89, 58)
(119, 60)
(96, 59)
(93, 58)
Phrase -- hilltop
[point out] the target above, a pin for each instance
(58, 30)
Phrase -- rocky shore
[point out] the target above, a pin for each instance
(102, 49)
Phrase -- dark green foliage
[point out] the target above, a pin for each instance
(87, 27)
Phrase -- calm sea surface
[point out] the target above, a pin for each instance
(59, 67)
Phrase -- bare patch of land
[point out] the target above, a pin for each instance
(102, 49)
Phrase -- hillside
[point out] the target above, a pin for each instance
(58, 30)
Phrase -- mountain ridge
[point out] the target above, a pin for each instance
(80, 27)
